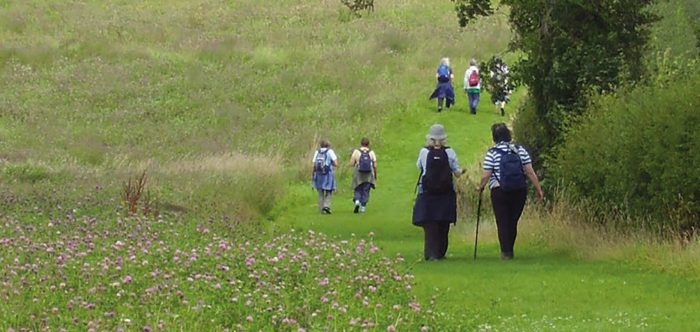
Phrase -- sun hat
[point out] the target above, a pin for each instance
(436, 132)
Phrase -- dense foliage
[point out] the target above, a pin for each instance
(637, 154)
(572, 48)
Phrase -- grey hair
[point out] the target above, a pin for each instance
(431, 142)
(445, 61)
(472, 62)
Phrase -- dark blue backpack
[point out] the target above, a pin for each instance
(365, 163)
(511, 170)
(438, 174)
(443, 72)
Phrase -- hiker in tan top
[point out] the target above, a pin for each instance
(364, 174)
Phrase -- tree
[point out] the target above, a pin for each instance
(571, 48)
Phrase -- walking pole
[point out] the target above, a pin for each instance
(415, 191)
(478, 214)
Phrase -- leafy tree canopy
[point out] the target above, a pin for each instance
(571, 48)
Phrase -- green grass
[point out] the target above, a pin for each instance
(222, 102)
(544, 288)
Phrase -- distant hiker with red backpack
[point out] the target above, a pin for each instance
(323, 175)
(436, 204)
(506, 166)
(472, 85)
(444, 90)
(364, 174)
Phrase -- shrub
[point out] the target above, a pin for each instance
(530, 132)
(358, 6)
(636, 154)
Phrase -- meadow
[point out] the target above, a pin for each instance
(221, 104)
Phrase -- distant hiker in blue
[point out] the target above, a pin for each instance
(364, 175)
(436, 204)
(323, 175)
(506, 166)
(444, 90)
(472, 85)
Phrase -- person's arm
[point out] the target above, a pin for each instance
(334, 158)
(485, 176)
(353, 158)
(374, 163)
(419, 165)
(313, 164)
(530, 172)
(454, 163)
(488, 171)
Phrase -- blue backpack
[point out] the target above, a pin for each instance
(511, 170)
(321, 165)
(443, 72)
(365, 163)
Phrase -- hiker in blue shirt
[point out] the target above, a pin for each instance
(323, 175)
(435, 207)
(506, 166)
(444, 90)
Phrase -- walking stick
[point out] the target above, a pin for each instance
(478, 214)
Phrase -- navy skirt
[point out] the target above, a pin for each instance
(444, 90)
(435, 208)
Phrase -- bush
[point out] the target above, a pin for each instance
(358, 6)
(636, 154)
(530, 132)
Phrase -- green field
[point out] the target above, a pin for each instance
(221, 104)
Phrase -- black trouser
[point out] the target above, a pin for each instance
(436, 234)
(507, 206)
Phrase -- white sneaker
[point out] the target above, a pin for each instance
(363, 209)
(357, 207)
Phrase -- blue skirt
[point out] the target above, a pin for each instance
(444, 90)
(324, 181)
(435, 208)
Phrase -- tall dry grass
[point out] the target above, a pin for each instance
(565, 227)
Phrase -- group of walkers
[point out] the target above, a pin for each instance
(506, 167)
(364, 164)
(499, 84)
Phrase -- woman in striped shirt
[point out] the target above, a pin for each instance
(506, 166)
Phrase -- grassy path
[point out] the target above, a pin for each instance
(540, 290)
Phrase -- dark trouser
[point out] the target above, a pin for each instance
(436, 234)
(507, 206)
(362, 193)
(473, 101)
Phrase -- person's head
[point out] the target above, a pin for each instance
(324, 143)
(445, 61)
(500, 133)
(436, 137)
(364, 142)
(472, 62)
